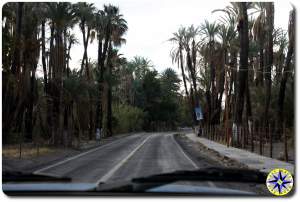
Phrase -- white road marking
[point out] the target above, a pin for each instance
(40, 171)
(116, 167)
(184, 154)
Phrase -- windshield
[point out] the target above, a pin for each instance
(110, 92)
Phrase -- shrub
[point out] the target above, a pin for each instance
(127, 118)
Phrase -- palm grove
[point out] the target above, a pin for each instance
(240, 68)
(45, 100)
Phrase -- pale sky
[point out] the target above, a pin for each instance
(152, 22)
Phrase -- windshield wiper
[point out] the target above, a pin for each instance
(18, 176)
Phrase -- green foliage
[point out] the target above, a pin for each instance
(127, 118)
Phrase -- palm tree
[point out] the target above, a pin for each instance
(15, 68)
(227, 35)
(62, 16)
(281, 42)
(110, 31)
(177, 54)
(85, 14)
(269, 58)
(243, 69)
(259, 34)
(140, 66)
(71, 40)
(209, 32)
(287, 66)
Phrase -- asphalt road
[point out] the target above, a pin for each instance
(137, 155)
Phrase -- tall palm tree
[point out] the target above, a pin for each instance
(189, 43)
(269, 58)
(259, 34)
(209, 32)
(287, 66)
(16, 55)
(62, 16)
(177, 54)
(243, 69)
(110, 34)
(281, 42)
(227, 35)
(85, 14)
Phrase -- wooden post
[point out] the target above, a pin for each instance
(245, 135)
(271, 141)
(227, 135)
(214, 133)
(242, 137)
(260, 139)
(252, 139)
(285, 144)
(20, 147)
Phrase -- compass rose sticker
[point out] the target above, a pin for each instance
(279, 182)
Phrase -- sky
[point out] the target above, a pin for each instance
(152, 22)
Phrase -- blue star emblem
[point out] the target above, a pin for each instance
(279, 181)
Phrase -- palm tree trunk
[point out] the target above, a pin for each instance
(15, 68)
(269, 59)
(182, 71)
(98, 120)
(243, 70)
(290, 53)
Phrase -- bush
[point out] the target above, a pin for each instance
(127, 118)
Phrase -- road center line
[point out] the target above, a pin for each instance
(116, 167)
(184, 154)
(39, 171)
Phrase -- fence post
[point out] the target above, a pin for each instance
(260, 140)
(285, 144)
(252, 139)
(242, 137)
(246, 134)
(20, 147)
(271, 142)
(213, 133)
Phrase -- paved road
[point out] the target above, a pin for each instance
(132, 156)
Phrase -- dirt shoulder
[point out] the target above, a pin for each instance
(32, 160)
(205, 157)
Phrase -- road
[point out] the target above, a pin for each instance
(123, 159)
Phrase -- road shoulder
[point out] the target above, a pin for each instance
(243, 157)
(59, 154)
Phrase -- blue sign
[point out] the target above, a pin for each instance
(199, 115)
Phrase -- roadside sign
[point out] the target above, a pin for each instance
(199, 115)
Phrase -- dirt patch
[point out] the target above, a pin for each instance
(28, 151)
(205, 156)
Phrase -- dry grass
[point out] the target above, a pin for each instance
(13, 151)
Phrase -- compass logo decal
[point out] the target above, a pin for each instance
(279, 182)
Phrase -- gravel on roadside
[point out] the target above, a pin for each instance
(58, 154)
